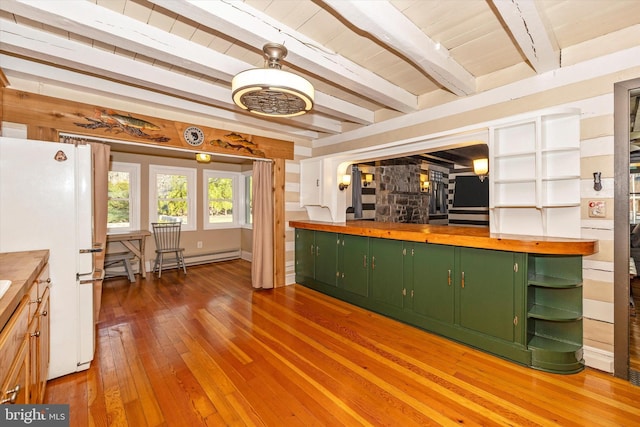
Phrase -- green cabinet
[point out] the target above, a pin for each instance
(432, 294)
(486, 285)
(524, 307)
(316, 256)
(385, 279)
(472, 295)
(554, 312)
(305, 254)
(326, 260)
(353, 264)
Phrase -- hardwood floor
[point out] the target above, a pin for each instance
(634, 327)
(205, 349)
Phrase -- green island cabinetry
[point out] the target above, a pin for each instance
(522, 306)
(554, 311)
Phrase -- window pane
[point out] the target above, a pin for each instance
(172, 198)
(220, 192)
(118, 205)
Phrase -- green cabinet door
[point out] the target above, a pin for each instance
(305, 254)
(485, 285)
(353, 264)
(386, 279)
(433, 293)
(326, 263)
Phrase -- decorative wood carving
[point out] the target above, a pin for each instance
(100, 121)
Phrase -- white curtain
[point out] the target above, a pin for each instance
(262, 263)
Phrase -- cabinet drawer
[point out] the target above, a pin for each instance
(14, 384)
(12, 337)
(37, 291)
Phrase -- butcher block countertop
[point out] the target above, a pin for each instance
(471, 237)
(22, 269)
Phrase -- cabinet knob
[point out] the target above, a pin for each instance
(44, 313)
(36, 334)
(13, 395)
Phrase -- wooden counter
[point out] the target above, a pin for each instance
(471, 237)
(21, 268)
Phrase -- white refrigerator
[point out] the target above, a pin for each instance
(46, 203)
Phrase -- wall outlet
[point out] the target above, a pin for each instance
(199, 244)
(597, 209)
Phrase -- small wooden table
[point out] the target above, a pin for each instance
(128, 239)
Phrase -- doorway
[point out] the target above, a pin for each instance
(624, 93)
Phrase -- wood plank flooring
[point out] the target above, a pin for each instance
(634, 327)
(206, 349)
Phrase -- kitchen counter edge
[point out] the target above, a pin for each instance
(472, 237)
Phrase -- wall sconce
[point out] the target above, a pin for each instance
(367, 179)
(481, 168)
(203, 157)
(597, 182)
(346, 180)
(424, 183)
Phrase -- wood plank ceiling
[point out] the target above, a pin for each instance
(368, 60)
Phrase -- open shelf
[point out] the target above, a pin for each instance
(552, 313)
(535, 163)
(550, 344)
(552, 282)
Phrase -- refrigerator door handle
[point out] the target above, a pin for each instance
(99, 273)
(97, 247)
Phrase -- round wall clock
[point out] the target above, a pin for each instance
(193, 135)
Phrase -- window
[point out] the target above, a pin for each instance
(172, 195)
(123, 205)
(248, 200)
(221, 199)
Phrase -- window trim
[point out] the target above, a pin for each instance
(244, 199)
(235, 199)
(133, 169)
(192, 187)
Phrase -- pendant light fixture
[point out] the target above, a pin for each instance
(270, 91)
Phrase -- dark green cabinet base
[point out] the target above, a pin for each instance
(526, 308)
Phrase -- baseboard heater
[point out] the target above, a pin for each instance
(198, 259)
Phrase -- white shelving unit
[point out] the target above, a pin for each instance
(535, 176)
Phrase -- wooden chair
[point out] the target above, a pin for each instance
(167, 237)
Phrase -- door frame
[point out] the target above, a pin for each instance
(621, 111)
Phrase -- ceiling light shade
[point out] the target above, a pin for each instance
(203, 157)
(270, 91)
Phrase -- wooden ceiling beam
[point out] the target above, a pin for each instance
(109, 27)
(528, 30)
(384, 22)
(254, 28)
(85, 83)
(45, 47)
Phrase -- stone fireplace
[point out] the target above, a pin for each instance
(398, 196)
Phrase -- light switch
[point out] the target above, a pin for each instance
(597, 209)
